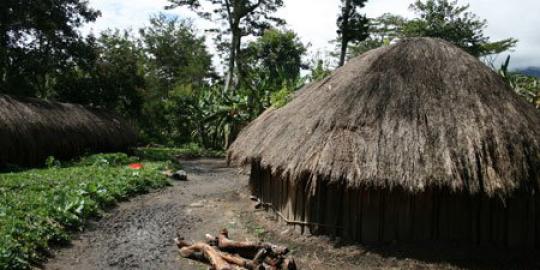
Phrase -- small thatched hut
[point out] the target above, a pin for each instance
(32, 129)
(418, 141)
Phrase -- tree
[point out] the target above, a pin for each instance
(277, 55)
(38, 41)
(114, 80)
(178, 67)
(352, 26)
(241, 18)
(178, 56)
(447, 20)
(271, 63)
(382, 31)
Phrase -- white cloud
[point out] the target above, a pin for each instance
(315, 20)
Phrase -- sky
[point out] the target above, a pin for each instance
(315, 20)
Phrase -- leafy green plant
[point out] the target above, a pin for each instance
(51, 162)
(167, 154)
(526, 86)
(42, 206)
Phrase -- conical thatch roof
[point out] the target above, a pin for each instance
(32, 129)
(418, 114)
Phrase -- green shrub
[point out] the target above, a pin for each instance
(42, 206)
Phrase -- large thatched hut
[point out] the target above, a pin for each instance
(414, 142)
(32, 129)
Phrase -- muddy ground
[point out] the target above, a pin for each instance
(139, 234)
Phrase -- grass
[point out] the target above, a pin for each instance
(186, 151)
(41, 207)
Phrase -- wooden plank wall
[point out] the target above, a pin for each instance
(385, 216)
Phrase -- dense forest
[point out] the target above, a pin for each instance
(162, 79)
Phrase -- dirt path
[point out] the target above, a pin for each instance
(139, 234)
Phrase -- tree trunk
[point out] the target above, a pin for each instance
(344, 31)
(3, 55)
(233, 55)
(230, 71)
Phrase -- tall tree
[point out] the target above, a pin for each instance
(39, 40)
(113, 80)
(276, 55)
(382, 31)
(447, 20)
(178, 68)
(272, 62)
(178, 56)
(240, 18)
(352, 26)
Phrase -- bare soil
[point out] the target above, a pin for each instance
(139, 234)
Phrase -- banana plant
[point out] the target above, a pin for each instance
(526, 86)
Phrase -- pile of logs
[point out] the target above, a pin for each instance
(222, 253)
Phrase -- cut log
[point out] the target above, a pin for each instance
(205, 253)
(212, 256)
(289, 264)
(245, 248)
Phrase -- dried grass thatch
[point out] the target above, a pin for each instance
(418, 114)
(32, 129)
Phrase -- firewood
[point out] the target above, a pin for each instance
(289, 264)
(204, 253)
(213, 257)
(223, 253)
(226, 244)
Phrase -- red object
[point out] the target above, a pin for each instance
(136, 166)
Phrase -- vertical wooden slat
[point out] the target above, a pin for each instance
(483, 221)
(370, 217)
(298, 205)
(322, 207)
(330, 209)
(356, 214)
(537, 221)
(360, 218)
(531, 210)
(474, 225)
(346, 217)
(314, 207)
(391, 217)
(498, 223)
(517, 222)
(403, 199)
(423, 209)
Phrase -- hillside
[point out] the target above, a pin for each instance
(531, 71)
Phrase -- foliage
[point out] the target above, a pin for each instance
(39, 41)
(285, 94)
(191, 150)
(447, 20)
(177, 55)
(42, 206)
(178, 67)
(352, 26)
(272, 63)
(526, 86)
(277, 55)
(382, 31)
(239, 18)
(281, 97)
(114, 80)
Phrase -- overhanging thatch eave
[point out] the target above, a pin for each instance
(32, 129)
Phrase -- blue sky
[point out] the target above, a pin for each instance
(314, 20)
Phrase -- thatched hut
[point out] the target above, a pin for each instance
(418, 141)
(32, 129)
